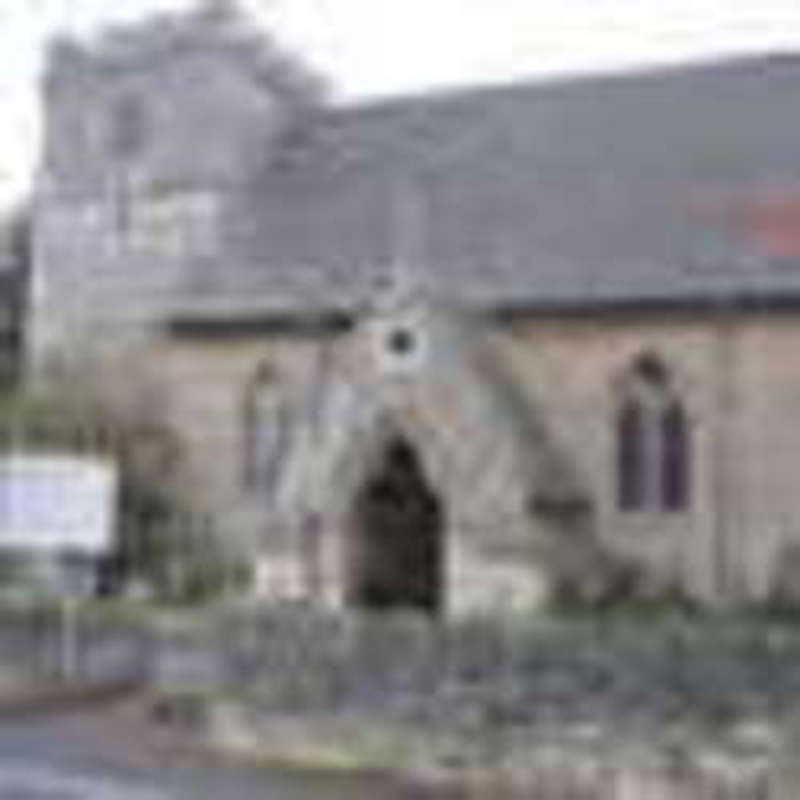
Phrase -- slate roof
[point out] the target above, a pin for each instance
(652, 187)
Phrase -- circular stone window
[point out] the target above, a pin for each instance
(401, 341)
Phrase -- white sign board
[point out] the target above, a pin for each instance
(57, 502)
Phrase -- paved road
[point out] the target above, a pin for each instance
(54, 759)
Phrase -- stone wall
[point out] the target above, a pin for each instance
(734, 374)
(51, 644)
(738, 380)
(705, 697)
(667, 706)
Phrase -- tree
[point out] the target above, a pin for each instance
(118, 410)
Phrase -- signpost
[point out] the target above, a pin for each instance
(60, 506)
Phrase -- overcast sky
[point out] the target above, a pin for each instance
(375, 47)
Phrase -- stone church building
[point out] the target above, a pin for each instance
(454, 351)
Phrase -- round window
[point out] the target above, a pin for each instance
(401, 341)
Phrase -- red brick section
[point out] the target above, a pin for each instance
(772, 223)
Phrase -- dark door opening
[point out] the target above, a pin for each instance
(397, 536)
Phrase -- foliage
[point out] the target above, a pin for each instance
(15, 569)
(784, 597)
(157, 527)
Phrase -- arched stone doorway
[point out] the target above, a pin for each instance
(396, 553)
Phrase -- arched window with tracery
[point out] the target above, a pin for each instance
(265, 431)
(631, 461)
(675, 457)
(653, 441)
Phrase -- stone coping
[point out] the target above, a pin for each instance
(23, 696)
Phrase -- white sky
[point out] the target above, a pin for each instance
(375, 47)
